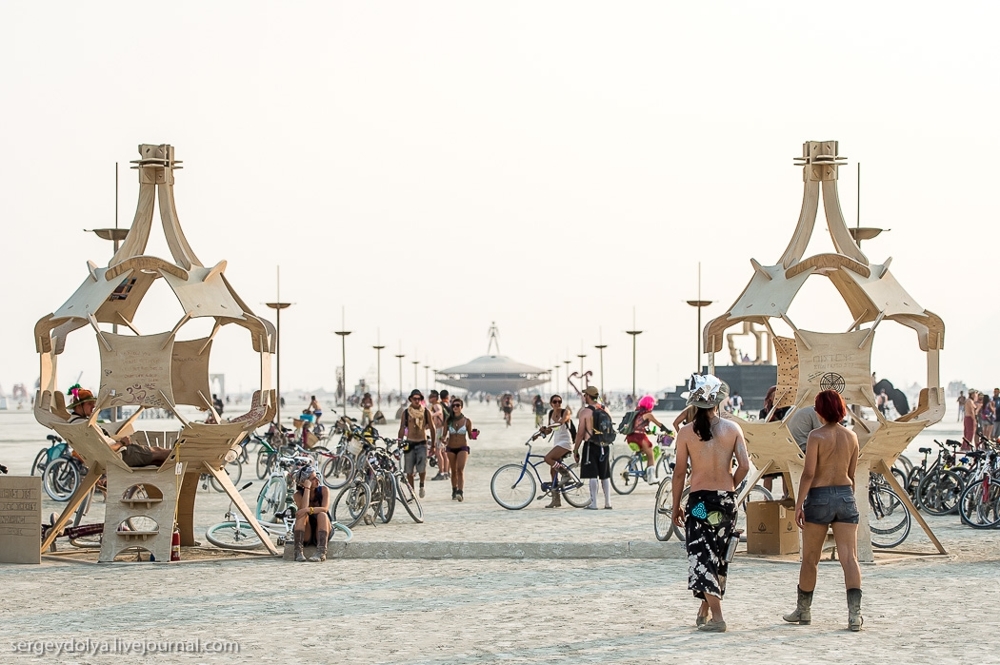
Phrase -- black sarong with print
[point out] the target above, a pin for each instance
(709, 524)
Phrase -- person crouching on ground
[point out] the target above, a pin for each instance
(826, 498)
(709, 445)
(312, 514)
(644, 416)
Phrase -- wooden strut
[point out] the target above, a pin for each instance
(211, 407)
(234, 496)
(883, 469)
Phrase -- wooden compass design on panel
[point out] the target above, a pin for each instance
(811, 361)
(152, 371)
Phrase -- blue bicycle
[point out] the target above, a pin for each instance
(514, 487)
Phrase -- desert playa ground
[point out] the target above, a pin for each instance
(532, 586)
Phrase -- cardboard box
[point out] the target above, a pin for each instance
(771, 528)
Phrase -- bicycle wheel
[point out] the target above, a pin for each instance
(622, 478)
(234, 470)
(233, 536)
(384, 496)
(577, 494)
(337, 471)
(939, 492)
(663, 467)
(904, 464)
(888, 519)
(271, 500)
(979, 506)
(513, 486)
(405, 495)
(757, 493)
(351, 504)
(663, 525)
(41, 459)
(61, 478)
(679, 530)
(264, 457)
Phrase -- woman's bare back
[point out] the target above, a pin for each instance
(836, 455)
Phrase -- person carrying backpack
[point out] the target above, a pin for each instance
(643, 416)
(596, 433)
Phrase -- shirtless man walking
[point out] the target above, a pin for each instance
(709, 444)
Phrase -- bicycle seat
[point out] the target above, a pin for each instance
(976, 454)
(53, 438)
(926, 451)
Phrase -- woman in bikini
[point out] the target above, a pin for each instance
(644, 416)
(562, 442)
(457, 448)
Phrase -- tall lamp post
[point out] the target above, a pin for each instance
(427, 377)
(601, 347)
(416, 364)
(581, 356)
(634, 334)
(555, 388)
(378, 373)
(115, 235)
(343, 361)
(277, 306)
(567, 362)
(401, 356)
(699, 303)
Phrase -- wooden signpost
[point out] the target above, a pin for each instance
(20, 519)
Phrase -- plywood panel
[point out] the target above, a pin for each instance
(136, 370)
(20, 519)
(189, 371)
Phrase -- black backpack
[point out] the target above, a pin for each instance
(604, 427)
(627, 424)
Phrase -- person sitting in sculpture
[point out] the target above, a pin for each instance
(133, 454)
(312, 514)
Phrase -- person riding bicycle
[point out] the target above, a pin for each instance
(312, 514)
(314, 408)
(562, 443)
(644, 416)
(133, 454)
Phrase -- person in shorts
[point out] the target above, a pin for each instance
(826, 498)
(413, 428)
(595, 464)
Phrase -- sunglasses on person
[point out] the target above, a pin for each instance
(415, 398)
(557, 401)
(456, 405)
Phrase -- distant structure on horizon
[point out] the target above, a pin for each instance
(493, 374)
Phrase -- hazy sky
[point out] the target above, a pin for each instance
(435, 166)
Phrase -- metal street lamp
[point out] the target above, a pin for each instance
(116, 235)
(400, 356)
(378, 373)
(416, 363)
(699, 303)
(427, 377)
(277, 307)
(601, 347)
(634, 334)
(343, 362)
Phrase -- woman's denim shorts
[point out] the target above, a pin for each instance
(826, 505)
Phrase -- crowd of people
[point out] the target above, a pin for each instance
(978, 415)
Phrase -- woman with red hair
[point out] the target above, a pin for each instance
(826, 498)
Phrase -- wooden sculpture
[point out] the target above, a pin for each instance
(152, 371)
(815, 361)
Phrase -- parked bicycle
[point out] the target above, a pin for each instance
(663, 524)
(979, 505)
(889, 520)
(513, 486)
(237, 533)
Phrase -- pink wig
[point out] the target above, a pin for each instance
(647, 402)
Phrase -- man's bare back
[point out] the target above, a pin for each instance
(711, 462)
